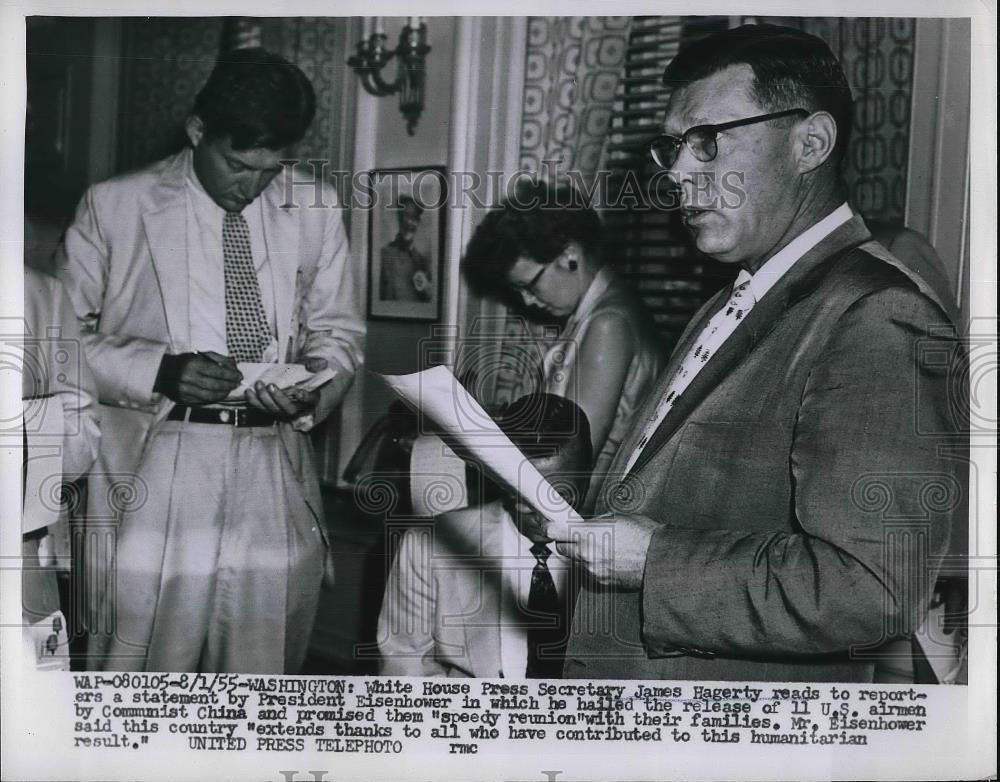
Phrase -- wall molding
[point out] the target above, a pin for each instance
(938, 168)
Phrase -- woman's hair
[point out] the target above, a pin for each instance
(537, 221)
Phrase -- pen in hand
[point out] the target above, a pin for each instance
(223, 362)
(217, 358)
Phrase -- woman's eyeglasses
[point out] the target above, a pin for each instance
(530, 285)
(702, 140)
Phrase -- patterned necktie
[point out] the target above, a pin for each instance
(547, 628)
(247, 331)
(716, 331)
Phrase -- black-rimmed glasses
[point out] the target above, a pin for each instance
(529, 286)
(702, 139)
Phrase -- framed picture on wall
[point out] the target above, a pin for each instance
(406, 243)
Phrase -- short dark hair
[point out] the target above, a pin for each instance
(538, 222)
(545, 425)
(792, 69)
(256, 99)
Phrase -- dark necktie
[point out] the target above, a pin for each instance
(247, 332)
(547, 616)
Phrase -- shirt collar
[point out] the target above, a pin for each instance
(783, 260)
(599, 284)
(201, 196)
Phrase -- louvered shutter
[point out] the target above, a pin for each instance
(647, 243)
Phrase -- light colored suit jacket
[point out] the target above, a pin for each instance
(449, 607)
(798, 481)
(55, 367)
(124, 263)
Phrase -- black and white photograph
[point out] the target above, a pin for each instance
(406, 243)
(460, 396)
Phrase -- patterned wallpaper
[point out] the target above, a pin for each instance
(166, 60)
(877, 57)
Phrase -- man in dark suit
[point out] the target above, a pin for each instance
(778, 510)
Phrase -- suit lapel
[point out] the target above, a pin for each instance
(489, 655)
(802, 277)
(645, 412)
(166, 235)
(281, 240)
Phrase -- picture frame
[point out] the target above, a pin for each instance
(406, 232)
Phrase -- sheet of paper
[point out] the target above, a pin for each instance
(437, 393)
(284, 376)
(44, 426)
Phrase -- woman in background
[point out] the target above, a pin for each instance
(544, 248)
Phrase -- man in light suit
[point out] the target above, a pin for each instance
(55, 375)
(778, 511)
(205, 533)
(482, 592)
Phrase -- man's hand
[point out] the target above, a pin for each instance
(197, 378)
(613, 551)
(289, 404)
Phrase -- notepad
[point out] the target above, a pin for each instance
(284, 376)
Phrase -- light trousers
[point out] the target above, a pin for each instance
(217, 567)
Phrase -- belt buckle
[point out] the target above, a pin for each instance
(230, 416)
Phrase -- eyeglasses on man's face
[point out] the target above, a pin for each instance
(702, 140)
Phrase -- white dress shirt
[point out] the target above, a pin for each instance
(206, 274)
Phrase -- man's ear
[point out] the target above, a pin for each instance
(815, 138)
(195, 129)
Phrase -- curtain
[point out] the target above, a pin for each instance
(574, 65)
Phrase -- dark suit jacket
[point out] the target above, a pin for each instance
(802, 496)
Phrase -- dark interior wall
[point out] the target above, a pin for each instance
(166, 60)
(164, 63)
(59, 52)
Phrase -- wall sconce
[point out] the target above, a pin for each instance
(410, 53)
(240, 32)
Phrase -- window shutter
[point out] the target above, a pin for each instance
(648, 245)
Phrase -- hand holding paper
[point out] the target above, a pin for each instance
(283, 376)
(438, 394)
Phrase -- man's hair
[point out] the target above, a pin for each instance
(544, 425)
(256, 99)
(792, 69)
(537, 222)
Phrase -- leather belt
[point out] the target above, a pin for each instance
(230, 416)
